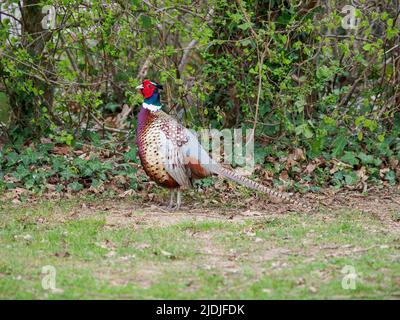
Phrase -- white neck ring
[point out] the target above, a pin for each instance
(151, 107)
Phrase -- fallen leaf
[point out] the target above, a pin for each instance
(110, 254)
(284, 175)
(62, 254)
(166, 253)
(313, 289)
(61, 150)
(310, 168)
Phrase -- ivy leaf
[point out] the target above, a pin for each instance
(365, 158)
(339, 144)
(391, 177)
(130, 156)
(111, 106)
(245, 25)
(305, 130)
(350, 158)
(351, 178)
(75, 186)
(12, 158)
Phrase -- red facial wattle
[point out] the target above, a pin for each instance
(148, 89)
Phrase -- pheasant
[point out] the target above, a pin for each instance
(172, 156)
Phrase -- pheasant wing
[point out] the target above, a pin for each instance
(172, 139)
(184, 155)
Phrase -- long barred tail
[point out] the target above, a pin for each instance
(256, 186)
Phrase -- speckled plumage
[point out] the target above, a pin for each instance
(149, 144)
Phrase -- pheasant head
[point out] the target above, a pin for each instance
(150, 92)
(149, 88)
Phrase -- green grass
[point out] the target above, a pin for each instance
(296, 256)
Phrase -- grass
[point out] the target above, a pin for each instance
(149, 254)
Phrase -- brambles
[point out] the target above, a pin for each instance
(293, 71)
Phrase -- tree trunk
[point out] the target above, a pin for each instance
(34, 37)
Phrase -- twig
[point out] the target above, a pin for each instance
(145, 68)
(185, 55)
(107, 128)
(260, 56)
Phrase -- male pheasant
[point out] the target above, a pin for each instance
(172, 156)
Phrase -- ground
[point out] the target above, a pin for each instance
(249, 248)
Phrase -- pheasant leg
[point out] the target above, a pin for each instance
(178, 200)
(171, 199)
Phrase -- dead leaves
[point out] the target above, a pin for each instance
(284, 176)
(14, 195)
(62, 150)
(310, 168)
(62, 254)
(295, 157)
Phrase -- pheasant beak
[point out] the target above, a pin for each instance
(139, 87)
